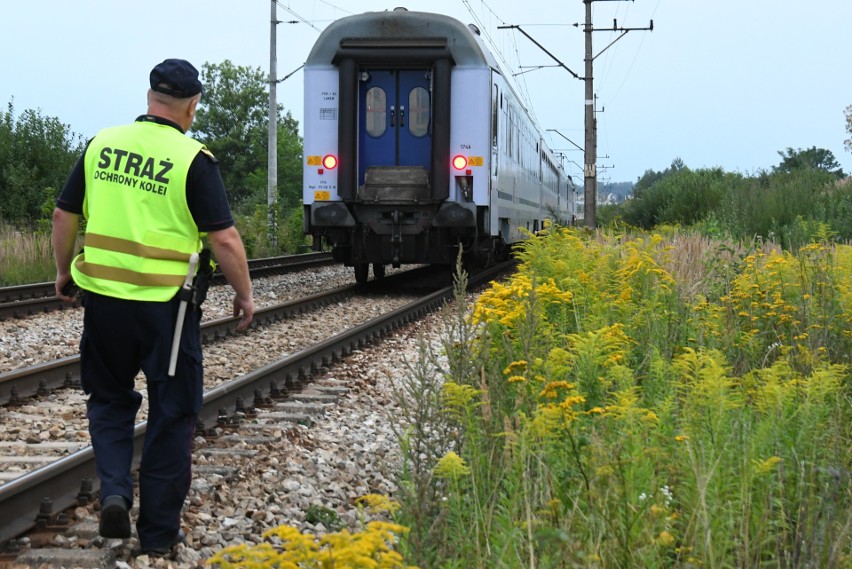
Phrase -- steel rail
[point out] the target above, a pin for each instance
(26, 291)
(65, 372)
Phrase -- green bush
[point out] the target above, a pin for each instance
(684, 197)
(790, 208)
(36, 153)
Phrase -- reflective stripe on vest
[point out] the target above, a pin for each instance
(140, 232)
(93, 240)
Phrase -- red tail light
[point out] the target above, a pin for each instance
(459, 162)
(329, 162)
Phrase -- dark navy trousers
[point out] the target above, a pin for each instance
(120, 338)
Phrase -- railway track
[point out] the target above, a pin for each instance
(23, 383)
(38, 500)
(25, 391)
(26, 300)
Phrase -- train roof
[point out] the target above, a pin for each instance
(405, 29)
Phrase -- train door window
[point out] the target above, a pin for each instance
(495, 125)
(376, 120)
(494, 114)
(418, 111)
(510, 133)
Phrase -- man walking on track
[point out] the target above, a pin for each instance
(148, 193)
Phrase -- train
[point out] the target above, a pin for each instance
(417, 148)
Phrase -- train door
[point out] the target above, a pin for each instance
(394, 119)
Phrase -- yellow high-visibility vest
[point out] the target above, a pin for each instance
(139, 230)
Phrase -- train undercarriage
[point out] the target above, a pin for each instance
(396, 235)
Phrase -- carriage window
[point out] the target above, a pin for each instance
(494, 114)
(376, 120)
(418, 111)
(495, 125)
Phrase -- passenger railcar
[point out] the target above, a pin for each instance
(415, 144)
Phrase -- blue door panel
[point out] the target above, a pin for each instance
(386, 134)
(413, 150)
(377, 146)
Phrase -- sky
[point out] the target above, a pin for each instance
(717, 83)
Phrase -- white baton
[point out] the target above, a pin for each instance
(187, 286)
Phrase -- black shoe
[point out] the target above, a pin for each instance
(115, 520)
(161, 551)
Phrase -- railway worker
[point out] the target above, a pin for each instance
(148, 194)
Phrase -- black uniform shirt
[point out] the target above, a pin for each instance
(205, 191)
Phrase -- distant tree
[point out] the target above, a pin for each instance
(848, 142)
(812, 158)
(36, 155)
(232, 120)
(650, 177)
(692, 195)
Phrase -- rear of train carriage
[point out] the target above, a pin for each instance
(415, 146)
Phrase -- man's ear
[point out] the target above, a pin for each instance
(193, 103)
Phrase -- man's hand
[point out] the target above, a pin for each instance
(231, 255)
(66, 288)
(246, 306)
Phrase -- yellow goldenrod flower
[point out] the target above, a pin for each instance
(377, 503)
(665, 539)
(451, 466)
(766, 466)
(520, 364)
(551, 390)
(457, 396)
(651, 417)
(572, 400)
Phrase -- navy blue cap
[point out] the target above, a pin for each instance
(176, 77)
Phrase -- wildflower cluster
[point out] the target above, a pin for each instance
(285, 547)
(648, 425)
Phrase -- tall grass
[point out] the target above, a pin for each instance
(26, 256)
